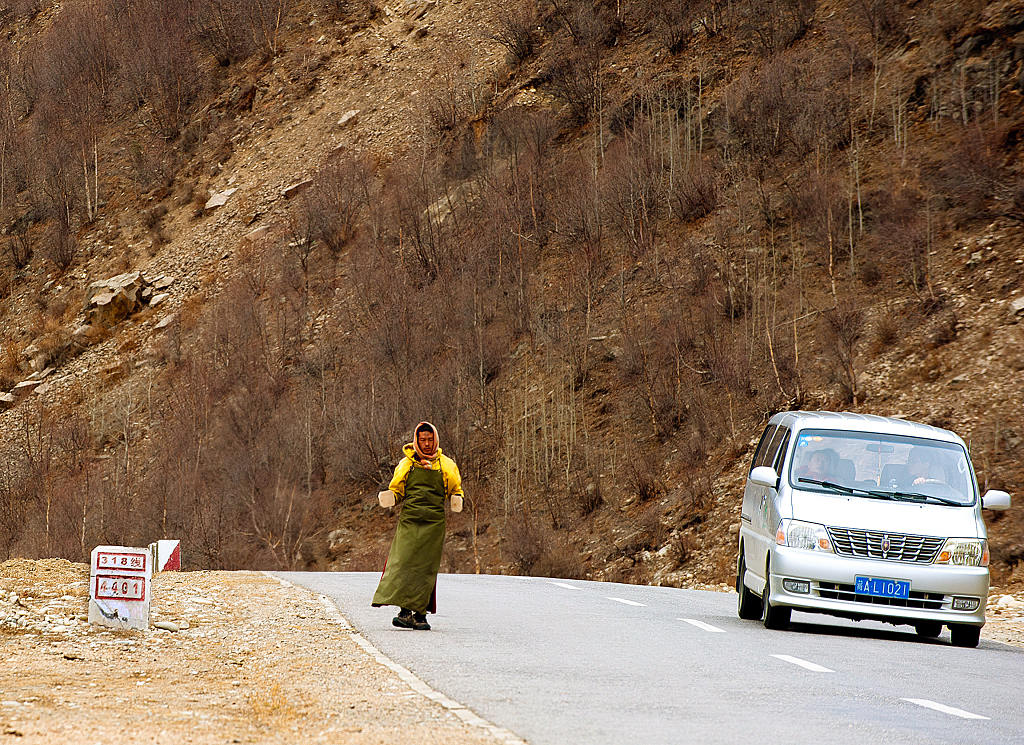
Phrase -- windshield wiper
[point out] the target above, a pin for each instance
(842, 488)
(907, 496)
(897, 496)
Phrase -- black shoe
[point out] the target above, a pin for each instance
(405, 620)
(420, 622)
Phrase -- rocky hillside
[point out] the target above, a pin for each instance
(597, 244)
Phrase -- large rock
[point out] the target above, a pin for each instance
(6, 401)
(130, 282)
(110, 301)
(110, 308)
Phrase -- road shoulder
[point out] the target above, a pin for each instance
(255, 661)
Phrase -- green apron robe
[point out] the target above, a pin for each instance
(410, 574)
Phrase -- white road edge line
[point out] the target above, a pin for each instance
(702, 625)
(627, 602)
(567, 587)
(952, 710)
(813, 667)
(463, 712)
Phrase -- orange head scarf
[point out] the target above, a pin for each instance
(425, 427)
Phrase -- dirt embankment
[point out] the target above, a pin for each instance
(254, 661)
(259, 662)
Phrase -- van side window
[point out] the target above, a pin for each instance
(780, 453)
(762, 446)
(781, 436)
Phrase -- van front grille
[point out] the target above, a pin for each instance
(833, 591)
(874, 544)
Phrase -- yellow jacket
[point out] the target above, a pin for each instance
(444, 464)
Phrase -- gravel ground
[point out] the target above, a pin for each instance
(254, 660)
(258, 662)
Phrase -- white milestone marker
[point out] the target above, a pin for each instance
(120, 587)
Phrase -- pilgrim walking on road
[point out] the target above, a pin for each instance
(422, 481)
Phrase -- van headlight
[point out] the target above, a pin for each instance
(808, 536)
(964, 552)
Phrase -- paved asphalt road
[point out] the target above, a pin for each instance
(562, 662)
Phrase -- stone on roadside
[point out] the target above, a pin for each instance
(256, 234)
(166, 626)
(24, 388)
(349, 117)
(85, 334)
(32, 358)
(297, 188)
(165, 322)
(219, 199)
(1017, 306)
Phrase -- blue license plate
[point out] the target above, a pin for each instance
(883, 588)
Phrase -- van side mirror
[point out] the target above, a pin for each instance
(766, 476)
(993, 499)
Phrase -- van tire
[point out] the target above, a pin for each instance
(963, 635)
(748, 607)
(775, 616)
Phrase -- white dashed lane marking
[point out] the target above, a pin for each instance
(567, 587)
(951, 710)
(813, 667)
(703, 626)
(627, 602)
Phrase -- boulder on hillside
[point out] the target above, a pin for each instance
(130, 282)
(6, 401)
(110, 301)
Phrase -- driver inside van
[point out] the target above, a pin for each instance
(921, 469)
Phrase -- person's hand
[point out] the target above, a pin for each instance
(386, 498)
(456, 503)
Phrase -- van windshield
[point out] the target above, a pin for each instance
(908, 467)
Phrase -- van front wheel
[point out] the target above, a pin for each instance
(963, 635)
(775, 616)
(928, 629)
(748, 607)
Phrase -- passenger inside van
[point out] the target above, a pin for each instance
(820, 465)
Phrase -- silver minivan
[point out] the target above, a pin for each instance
(864, 516)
